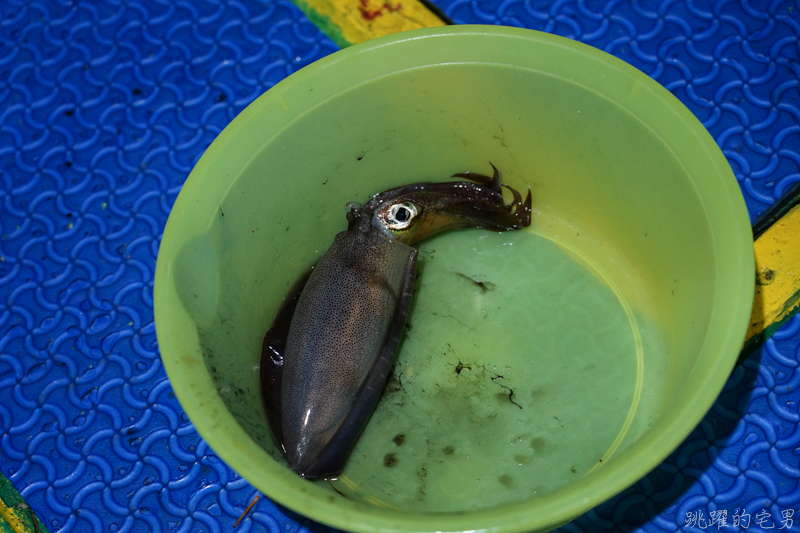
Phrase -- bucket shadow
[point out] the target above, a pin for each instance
(669, 484)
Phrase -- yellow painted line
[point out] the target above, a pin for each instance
(777, 296)
(350, 22)
(15, 515)
(14, 519)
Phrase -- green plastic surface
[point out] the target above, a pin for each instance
(621, 310)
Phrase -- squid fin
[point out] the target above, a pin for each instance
(272, 351)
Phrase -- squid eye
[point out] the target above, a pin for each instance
(400, 215)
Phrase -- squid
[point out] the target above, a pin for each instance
(329, 352)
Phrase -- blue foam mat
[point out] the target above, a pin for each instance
(105, 106)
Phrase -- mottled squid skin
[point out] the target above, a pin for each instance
(329, 352)
(339, 354)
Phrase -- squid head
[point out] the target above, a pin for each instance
(414, 212)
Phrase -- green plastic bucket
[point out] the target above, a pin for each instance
(543, 370)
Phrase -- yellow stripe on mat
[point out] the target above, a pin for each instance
(777, 296)
(350, 22)
(10, 519)
(15, 515)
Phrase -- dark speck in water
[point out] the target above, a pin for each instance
(506, 480)
(448, 450)
(393, 384)
(502, 397)
(509, 397)
(537, 444)
(389, 460)
(573, 470)
(461, 366)
(538, 393)
(399, 439)
(485, 286)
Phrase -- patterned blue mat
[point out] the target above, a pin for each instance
(105, 106)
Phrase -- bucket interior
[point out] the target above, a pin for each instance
(532, 358)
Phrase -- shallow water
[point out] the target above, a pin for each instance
(522, 369)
